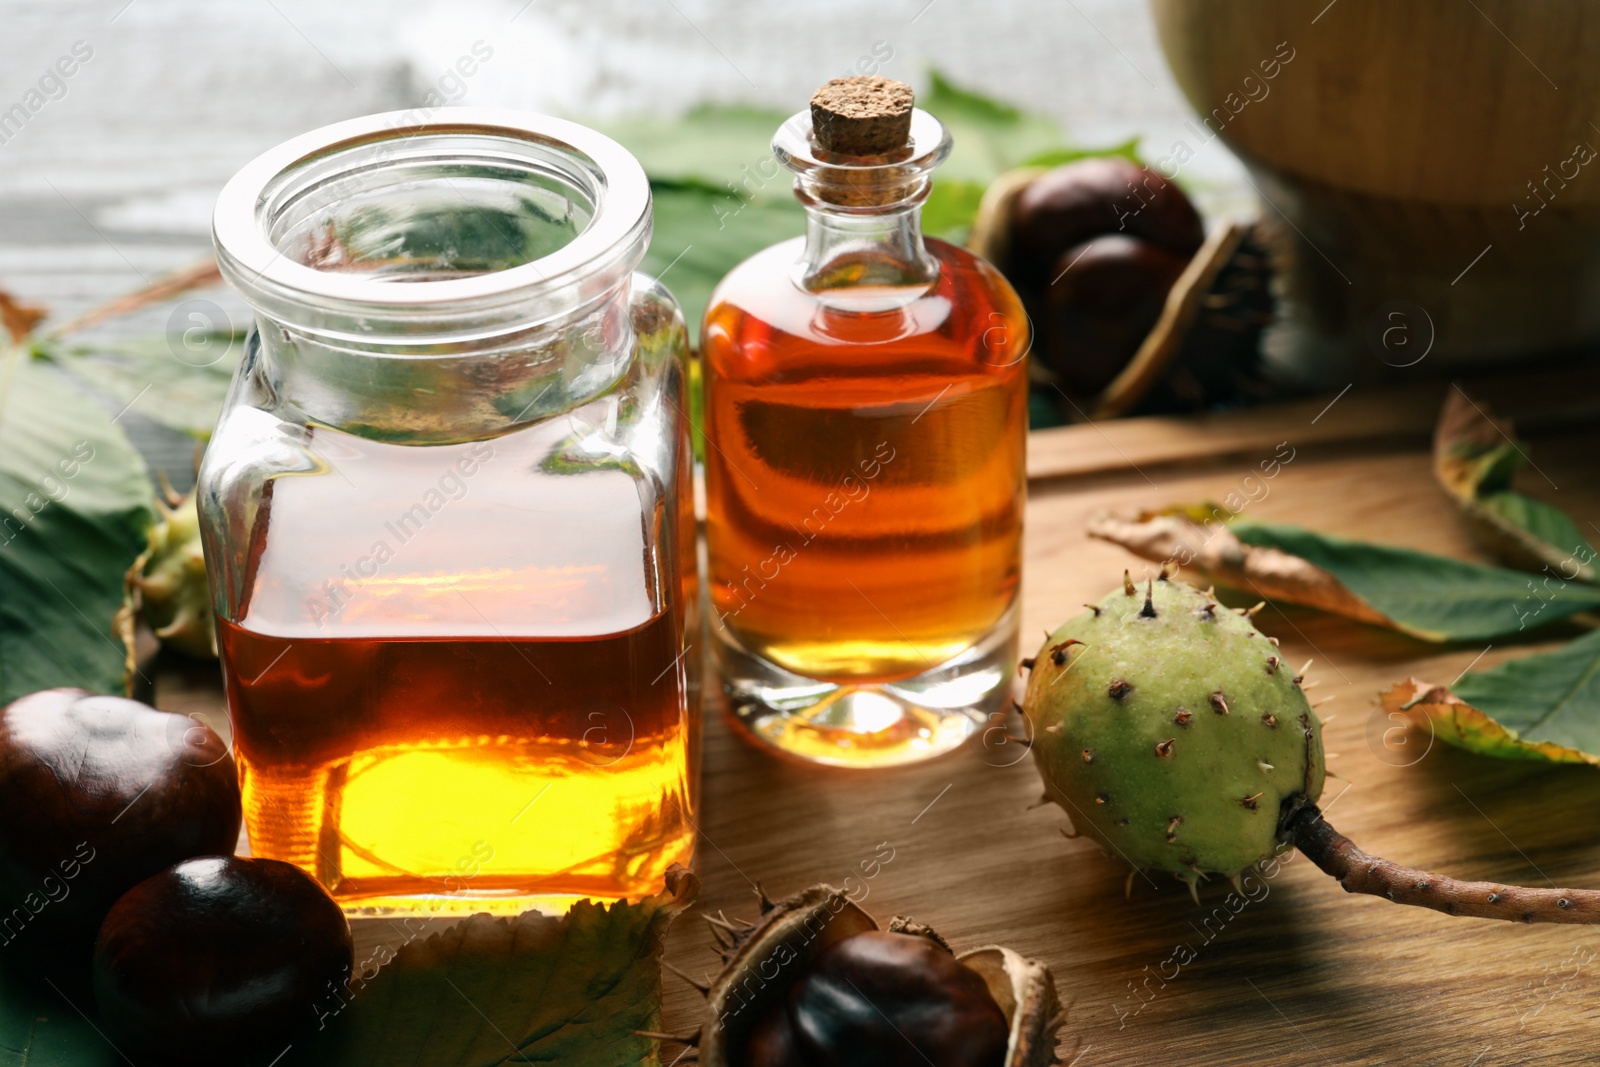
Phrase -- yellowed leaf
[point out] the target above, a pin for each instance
(1452, 720)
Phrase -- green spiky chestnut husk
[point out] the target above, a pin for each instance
(166, 586)
(1171, 731)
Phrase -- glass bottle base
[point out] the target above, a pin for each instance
(869, 725)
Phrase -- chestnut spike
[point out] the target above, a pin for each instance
(1164, 748)
(1172, 829)
(1209, 610)
(1127, 887)
(1058, 651)
(1219, 703)
(1088, 756)
(1233, 880)
(1274, 641)
(1094, 608)
(1118, 689)
(1127, 584)
(1053, 728)
(1168, 569)
(1273, 663)
(762, 900)
(1270, 719)
(1264, 765)
(1250, 801)
(1254, 610)
(1183, 717)
(1149, 609)
(1026, 664)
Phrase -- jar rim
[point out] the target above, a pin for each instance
(618, 230)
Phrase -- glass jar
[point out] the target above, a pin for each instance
(448, 517)
(866, 424)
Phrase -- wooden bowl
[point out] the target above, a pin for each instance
(1431, 168)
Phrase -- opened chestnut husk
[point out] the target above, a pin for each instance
(764, 961)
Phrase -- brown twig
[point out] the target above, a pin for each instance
(197, 276)
(1359, 872)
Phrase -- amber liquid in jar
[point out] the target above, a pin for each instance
(401, 738)
(864, 468)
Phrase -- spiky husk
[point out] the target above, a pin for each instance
(760, 960)
(166, 586)
(1171, 731)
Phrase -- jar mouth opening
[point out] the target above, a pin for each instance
(475, 208)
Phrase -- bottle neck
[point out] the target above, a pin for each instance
(865, 249)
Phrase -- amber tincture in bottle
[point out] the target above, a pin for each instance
(866, 417)
(448, 518)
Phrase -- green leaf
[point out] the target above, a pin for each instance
(1055, 157)
(1432, 597)
(950, 208)
(711, 145)
(184, 394)
(571, 990)
(701, 235)
(990, 137)
(1541, 707)
(1548, 526)
(76, 509)
(1474, 458)
(40, 1030)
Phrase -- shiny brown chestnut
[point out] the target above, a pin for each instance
(99, 793)
(1105, 195)
(1103, 299)
(881, 999)
(220, 959)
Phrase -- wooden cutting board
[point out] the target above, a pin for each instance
(1303, 974)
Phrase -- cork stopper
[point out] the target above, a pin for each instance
(862, 115)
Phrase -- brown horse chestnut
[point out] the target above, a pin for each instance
(1105, 195)
(219, 960)
(1103, 299)
(99, 793)
(881, 999)
(816, 983)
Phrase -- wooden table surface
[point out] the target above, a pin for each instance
(1304, 974)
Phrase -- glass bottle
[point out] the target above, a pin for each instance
(866, 421)
(448, 517)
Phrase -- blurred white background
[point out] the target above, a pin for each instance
(111, 181)
(118, 175)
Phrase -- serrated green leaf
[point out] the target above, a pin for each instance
(1432, 597)
(1474, 457)
(183, 394)
(573, 990)
(1055, 157)
(950, 208)
(1542, 707)
(712, 145)
(701, 235)
(76, 509)
(990, 137)
(39, 1030)
(1550, 527)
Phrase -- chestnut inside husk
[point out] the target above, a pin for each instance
(99, 793)
(220, 959)
(815, 981)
